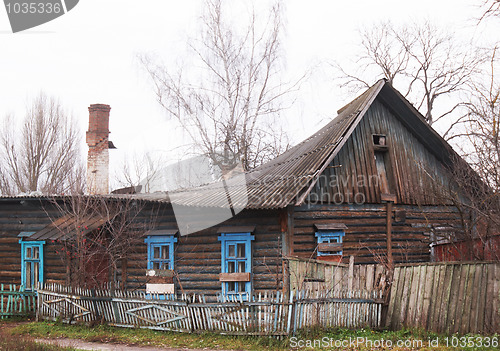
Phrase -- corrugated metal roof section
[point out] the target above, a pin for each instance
(279, 182)
(68, 226)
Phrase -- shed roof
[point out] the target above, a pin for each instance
(67, 226)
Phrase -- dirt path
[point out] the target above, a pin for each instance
(84, 345)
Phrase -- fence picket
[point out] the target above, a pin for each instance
(16, 301)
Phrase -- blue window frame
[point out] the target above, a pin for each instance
(236, 257)
(330, 237)
(31, 263)
(160, 251)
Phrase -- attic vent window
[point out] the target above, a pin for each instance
(379, 142)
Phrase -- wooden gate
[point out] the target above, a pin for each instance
(15, 301)
(124, 309)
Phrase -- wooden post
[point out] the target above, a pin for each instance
(287, 228)
(124, 273)
(290, 229)
(350, 278)
(390, 260)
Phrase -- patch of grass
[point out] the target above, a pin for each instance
(24, 344)
(407, 339)
(11, 342)
(147, 337)
(310, 339)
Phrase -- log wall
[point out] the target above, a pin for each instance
(19, 215)
(365, 236)
(197, 257)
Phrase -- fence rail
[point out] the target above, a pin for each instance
(264, 314)
(15, 301)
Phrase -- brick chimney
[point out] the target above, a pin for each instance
(98, 157)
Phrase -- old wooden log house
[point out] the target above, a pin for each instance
(372, 184)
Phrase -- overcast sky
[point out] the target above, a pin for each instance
(89, 56)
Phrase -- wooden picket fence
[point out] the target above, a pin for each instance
(446, 297)
(347, 309)
(311, 274)
(15, 301)
(263, 314)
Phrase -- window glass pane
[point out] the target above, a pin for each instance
(165, 252)
(36, 266)
(156, 252)
(156, 265)
(28, 275)
(230, 251)
(231, 267)
(35, 251)
(241, 267)
(28, 252)
(231, 286)
(241, 287)
(164, 265)
(241, 250)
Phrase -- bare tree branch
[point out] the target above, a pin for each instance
(490, 8)
(422, 60)
(230, 106)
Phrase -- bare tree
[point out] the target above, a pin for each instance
(490, 8)
(230, 99)
(43, 155)
(474, 188)
(483, 126)
(421, 60)
(483, 133)
(102, 234)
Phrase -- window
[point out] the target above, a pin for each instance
(160, 251)
(330, 242)
(31, 263)
(379, 140)
(236, 264)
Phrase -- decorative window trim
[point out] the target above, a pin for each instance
(24, 246)
(227, 278)
(160, 240)
(326, 237)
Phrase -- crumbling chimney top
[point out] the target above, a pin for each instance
(102, 107)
